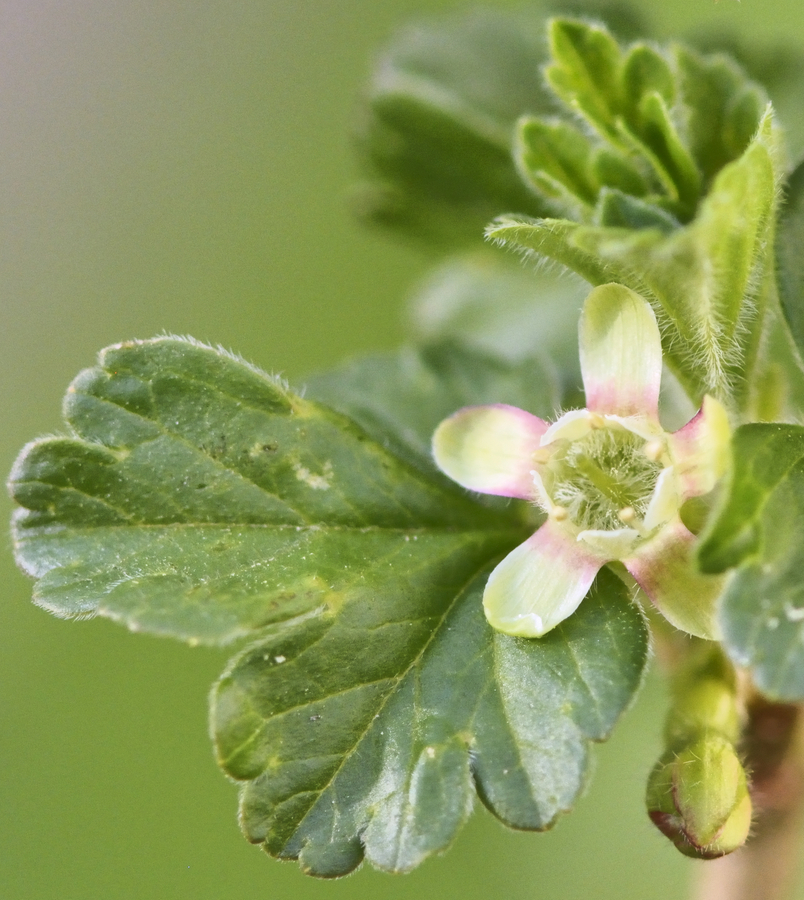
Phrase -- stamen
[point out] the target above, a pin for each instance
(559, 513)
(596, 420)
(627, 514)
(541, 456)
(654, 450)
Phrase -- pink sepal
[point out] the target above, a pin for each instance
(665, 569)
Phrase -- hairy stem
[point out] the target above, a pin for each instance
(766, 868)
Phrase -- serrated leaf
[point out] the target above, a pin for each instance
(400, 398)
(673, 164)
(585, 72)
(368, 733)
(439, 128)
(724, 109)
(645, 70)
(555, 159)
(759, 528)
(200, 498)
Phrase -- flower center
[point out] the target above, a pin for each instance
(604, 480)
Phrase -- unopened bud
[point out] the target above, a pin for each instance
(699, 798)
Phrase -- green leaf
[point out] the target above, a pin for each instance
(585, 73)
(553, 239)
(645, 71)
(199, 498)
(668, 154)
(763, 457)
(368, 733)
(554, 158)
(724, 109)
(438, 134)
(400, 398)
(758, 528)
(708, 281)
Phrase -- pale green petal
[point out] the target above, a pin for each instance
(665, 502)
(610, 544)
(701, 449)
(665, 569)
(539, 583)
(621, 353)
(571, 426)
(649, 429)
(490, 449)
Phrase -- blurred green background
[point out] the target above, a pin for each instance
(168, 165)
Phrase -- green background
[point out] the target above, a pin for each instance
(168, 165)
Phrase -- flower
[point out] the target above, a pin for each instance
(609, 477)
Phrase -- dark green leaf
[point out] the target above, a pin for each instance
(400, 398)
(618, 210)
(763, 457)
(368, 733)
(199, 498)
(759, 528)
(440, 123)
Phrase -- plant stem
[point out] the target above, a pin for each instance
(766, 868)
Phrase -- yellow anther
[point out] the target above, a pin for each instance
(596, 420)
(654, 450)
(559, 513)
(627, 514)
(541, 456)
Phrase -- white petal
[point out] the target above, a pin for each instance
(701, 449)
(665, 569)
(610, 544)
(539, 583)
(621, 353)
(665, 502)
(571, 426)
(490, 449)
